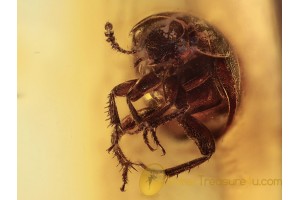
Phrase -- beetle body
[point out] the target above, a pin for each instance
(192, 75)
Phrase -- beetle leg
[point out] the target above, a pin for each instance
(174, 95)
(146, 84)
(203, 139)
(145, 136)
(153, 133)
(127, 126)
(157, 120)
(146, 130)
(147, 127)
(120, 90)
(151, 127)
(170, 93)
(132, 90)
(125, 163)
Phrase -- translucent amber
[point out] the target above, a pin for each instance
(152, 180)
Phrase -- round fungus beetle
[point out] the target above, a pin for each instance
(193, 77)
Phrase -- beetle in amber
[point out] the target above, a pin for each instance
(192, 75)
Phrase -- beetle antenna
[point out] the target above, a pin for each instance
(109, 33)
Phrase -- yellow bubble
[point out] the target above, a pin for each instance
(152, 180)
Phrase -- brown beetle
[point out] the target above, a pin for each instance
(192, 75)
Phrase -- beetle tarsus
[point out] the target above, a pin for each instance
(153, 133)
(145, 136)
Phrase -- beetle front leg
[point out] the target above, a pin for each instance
(203, 139)
(132, 90)
(146, 84)
(170, 87)
(120, 90)
(113, 115)
(127, 124)
(125, 164)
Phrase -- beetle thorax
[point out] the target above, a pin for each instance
(163, 41)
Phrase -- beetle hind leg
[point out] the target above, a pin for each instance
(203, 139)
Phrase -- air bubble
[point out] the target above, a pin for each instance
(152, 180)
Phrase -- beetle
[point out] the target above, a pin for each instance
(192, 75)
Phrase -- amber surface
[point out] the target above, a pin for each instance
(66, 69)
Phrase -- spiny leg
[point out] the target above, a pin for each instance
(155, 122)
(132, 90)
(145, 137)
(158, 117)
(147, 127)
(126, 164)
(128, 127)
(203, 139)
(127, 124)
(119, 129)
(151, 127)
(146, 84)
(153, 133)
(120, 90)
